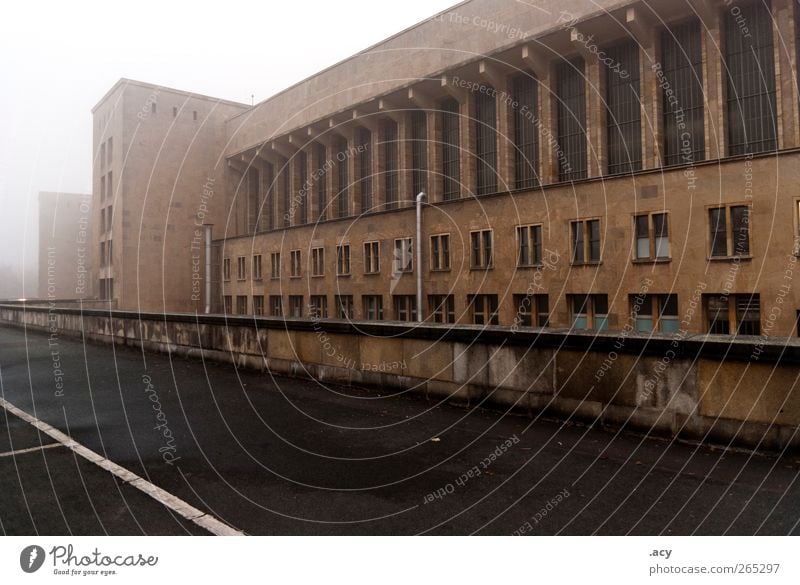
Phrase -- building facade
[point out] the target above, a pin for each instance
(605, 165)
(65, 246)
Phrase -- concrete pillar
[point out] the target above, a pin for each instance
(596, 117)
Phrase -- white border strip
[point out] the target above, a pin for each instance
(30, 450)
(174, 503)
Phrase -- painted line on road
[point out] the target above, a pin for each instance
(206, 521)
(30, 450)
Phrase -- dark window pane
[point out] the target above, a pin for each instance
(486, 141)
(717, 224)
(624, 110)
(526, 132)
(451, 150)
(571, 120)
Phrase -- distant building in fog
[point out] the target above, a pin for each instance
(65, 245)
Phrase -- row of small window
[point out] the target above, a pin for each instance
(175, 110)
(725, 314)
(729, 236)
(106, 153)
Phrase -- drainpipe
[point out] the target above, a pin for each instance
(208, 267)
(420, 197)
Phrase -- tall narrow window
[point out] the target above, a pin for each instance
(321, 183)
(286, 194)
(419, 151)
(442, 308)
(364, 161)
(585, 238)
(571, 113)
(729, 241)
(403, 255)
(372, 257)
(483, 309)
(682, 94)
(295, 264)
(344, 306)
(318, 262)
(481, 245)
(486, 141)
(275, 265)
(342, 181)
(624, 110)
(440, 252)
(267, 211)
(451, 150)
(529, 245)
(526, 132)
(390, 163)
(750, 71)
(343, 260)
(302, 187)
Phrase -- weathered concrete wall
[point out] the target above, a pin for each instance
(677, 388)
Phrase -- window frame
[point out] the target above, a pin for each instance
(318, 262)
(586, 242)
(409, 250)
(730, 243)
(441, 261)
(485, 261)
(343, 264)
(530, 244)
(372, 257)
(295, 263)
(257, 267)
(652, 239)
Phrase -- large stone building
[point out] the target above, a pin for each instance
(590, 165)
(65, 246)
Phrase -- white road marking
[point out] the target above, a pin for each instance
(30, 450)
(174, 503)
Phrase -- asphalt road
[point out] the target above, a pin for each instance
(270, 455)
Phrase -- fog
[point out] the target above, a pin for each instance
(57, 59)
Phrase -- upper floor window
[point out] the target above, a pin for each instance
(241, 268)
(486, 141)
(390, 163)
(318, 262)
(343, 260)
(585, 241)
(295, 305)
(258, 305)
(729, 231)
(419, 151)
(652, 236)
(342, 180)
(364, 167)
(226, 269)
(529, 245)
(321, 181)
(624, 110)
(257, 267)
(276, 306)
(440, 252)
(526, 131)
(275, 261)
(571, 119)
(451, 150)
(372, 257)
(403, 255)
(750, 71)
(295, 265)
(481, 249)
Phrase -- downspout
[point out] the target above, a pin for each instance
(420, 197)
(208, 268)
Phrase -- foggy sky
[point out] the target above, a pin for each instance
(57, 59)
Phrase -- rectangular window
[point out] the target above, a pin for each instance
(585, 237)
(241, 305)
(652, 236)
(276, 305)
(110, 187)
(321, 184)
(257, 267)
(295, 264)
(295, 305)
(342, 180)
(302, 191)
(403, 255)
(373, 307)
(268, 212)
(655, 312)
(241, 268)
(103, 228)
(318, 307)
(533, 310)
(227, 302)
(529, 245)
(730, 241)
(481, 249)
(739, 313)
(589, 311)
(103, 189)
(390, 178)
(103, 254)
(275, 260)
(440, 252)
(419, 151)
(318, 262)
(571, 120)
(405, 307)
(451, 150)
(258, 305)
(372, 257)
(110, 151)
(286, 194)
(343, 260)
(483, 309)
(750, 72)
(344, 306)
(226, 269)
(682, 94)
(526, 132)
(443, 308)
(103, 155)
(364, 167)
(486, 141)
(623, 108)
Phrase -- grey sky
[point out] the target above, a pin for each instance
(57, 59)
